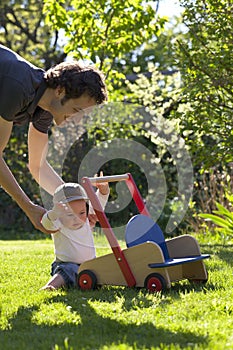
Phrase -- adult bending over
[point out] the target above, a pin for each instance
(29, 94)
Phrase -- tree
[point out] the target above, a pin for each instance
(23, 30)
(103, 32)
(159, 50)
(205, 61)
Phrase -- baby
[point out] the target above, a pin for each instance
(71, 230)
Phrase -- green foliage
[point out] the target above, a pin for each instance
(116, 36)
(160, 95)
(205, 61)
(222, 217)
(210, 186)
(159, 51)
(23, 30)
(103, 31)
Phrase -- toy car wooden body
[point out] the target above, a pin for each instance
(149, 260)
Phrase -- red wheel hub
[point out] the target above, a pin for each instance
(85, 281)
(154, 285)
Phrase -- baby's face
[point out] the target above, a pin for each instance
(75, 214)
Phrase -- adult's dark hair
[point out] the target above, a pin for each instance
(77, 80)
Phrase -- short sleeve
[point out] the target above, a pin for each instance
(42, 120)
(50, 225)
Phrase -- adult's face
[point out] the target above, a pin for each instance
(72, 109)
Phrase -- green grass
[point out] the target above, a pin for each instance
(185, 317)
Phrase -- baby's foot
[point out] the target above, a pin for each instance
(48, 287)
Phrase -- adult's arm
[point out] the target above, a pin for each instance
(11, 186)
(40, 169)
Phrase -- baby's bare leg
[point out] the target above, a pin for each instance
(57, 281)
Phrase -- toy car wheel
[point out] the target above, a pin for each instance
(155, 283)
(87, 280)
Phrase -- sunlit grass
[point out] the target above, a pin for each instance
(185, 317)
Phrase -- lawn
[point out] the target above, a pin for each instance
(109, 318)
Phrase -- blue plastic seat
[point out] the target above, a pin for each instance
(141, 229)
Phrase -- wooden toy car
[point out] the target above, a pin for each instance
(149, 260)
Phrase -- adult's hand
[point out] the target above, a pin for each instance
(35, 213)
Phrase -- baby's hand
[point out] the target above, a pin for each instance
(103, 187)
(92, 220)
(58, 210)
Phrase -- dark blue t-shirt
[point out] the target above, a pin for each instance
(21, 87)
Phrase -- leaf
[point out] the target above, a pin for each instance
(217, 220)
(222, 209)
(228, 215)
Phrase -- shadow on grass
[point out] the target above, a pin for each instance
(223, 252)
(92, 331)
